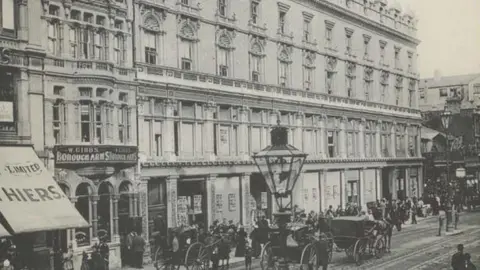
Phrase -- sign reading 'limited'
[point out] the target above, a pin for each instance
(100, 154)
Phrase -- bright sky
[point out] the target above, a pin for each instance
(450, 35)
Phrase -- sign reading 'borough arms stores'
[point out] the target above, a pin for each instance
(96, 155)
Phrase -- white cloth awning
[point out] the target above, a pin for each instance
(30, 199)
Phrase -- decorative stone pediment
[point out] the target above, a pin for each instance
(224, 38)
(384, 76)
(399, 81)
(351, 68)
(284, 53)
(331, 63)
(152, 19)
(309, 59)
(257, 46)
(368, 74)
(188, 29)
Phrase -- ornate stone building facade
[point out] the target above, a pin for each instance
(215, 76)
(89, 110)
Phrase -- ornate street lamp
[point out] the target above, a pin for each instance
(281, 164)
(446, 119)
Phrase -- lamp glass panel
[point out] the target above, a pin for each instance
(264, 169)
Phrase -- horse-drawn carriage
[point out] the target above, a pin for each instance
(303, 247)
(180, 248)
(359, 237)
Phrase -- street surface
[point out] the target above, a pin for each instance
(416, 247)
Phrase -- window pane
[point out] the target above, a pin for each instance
(8, 12)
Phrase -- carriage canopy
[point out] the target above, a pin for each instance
(350, 226)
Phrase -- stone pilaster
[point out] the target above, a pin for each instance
(393, 144)
(210, 109)
(342, 140)
(407, 141)
(323, 136)
(168, 131)
(298, 137)
(211, 196)
(23, 124)
(95, 199)
(116, 235)
(23, 21)
(343, 189)
(378, 138)
(245, 188)
(361, 188)
(243, 149)
(379, 183)
(172, 201)
(361, 138)
(322, 183)
(419, 141)
(143, 213)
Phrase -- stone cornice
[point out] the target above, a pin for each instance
(201, 163)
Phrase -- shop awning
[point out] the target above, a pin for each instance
(30, 199)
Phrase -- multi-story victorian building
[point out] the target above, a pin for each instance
(87, 100)
(215, 76)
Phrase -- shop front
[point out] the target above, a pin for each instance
(33, 206)
(100, 183)
(332, 190)
(306, 192)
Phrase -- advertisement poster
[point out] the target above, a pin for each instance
(253, 203)
(182, 211)
(232, 202)
(264, 200)
(197, 204)
(328, 192)
(335, 192)
(314, 194)
(219, 203)
(305, 194)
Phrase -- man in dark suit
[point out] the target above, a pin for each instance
(129, 256)
(458, 259)
(138, 247)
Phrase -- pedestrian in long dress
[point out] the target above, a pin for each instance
(68, 258)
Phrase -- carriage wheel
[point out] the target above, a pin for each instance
(266, 262)
(379, 247)
(159, 260)
(309, 260)
(193, 255)
(358, 251)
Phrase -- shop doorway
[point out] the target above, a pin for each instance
(192, 194)
(386, 192)
(261, 196)
(125, 220)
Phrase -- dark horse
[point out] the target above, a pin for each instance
(385, 227)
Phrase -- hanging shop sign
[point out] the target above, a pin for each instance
(232, 202)
(264, 200)
(197, 204)
(98, 154)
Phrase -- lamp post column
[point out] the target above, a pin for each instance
(448, 203)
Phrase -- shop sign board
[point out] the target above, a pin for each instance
(95, 155)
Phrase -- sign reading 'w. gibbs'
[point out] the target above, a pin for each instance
(97, 154)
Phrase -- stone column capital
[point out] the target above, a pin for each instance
(95, 198)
